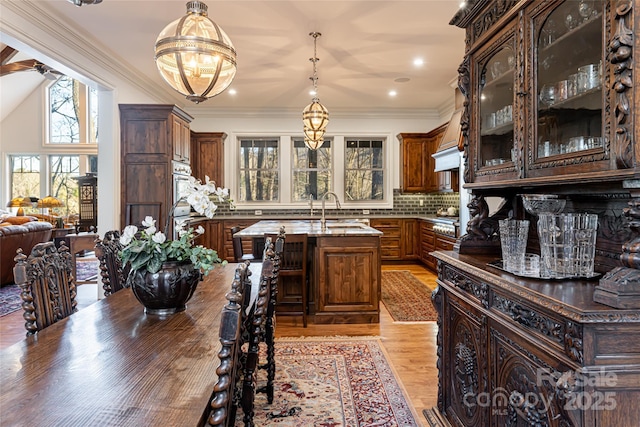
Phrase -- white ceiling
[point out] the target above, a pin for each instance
(367, 48)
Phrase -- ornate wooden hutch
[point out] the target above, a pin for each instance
(550, 107)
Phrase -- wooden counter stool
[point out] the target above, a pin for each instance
(238, 252)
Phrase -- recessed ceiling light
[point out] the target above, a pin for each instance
(392, 93)
(402, 79)
(232, 92)
(418, 62)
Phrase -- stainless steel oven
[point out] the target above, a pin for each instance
(181, 173)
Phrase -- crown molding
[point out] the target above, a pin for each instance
(37, 27)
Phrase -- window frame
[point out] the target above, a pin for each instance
(286, 163)
(84, 122)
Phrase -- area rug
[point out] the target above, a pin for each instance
(406, 298)
(333, 381)
(10, 300)
(87, 268)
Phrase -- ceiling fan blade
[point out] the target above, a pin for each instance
(14, 67)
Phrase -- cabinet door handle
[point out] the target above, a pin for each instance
(522, 93)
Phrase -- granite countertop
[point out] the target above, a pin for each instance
(345, 227)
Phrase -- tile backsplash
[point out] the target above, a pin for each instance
(403, 205)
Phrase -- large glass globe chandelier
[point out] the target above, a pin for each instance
(195, 56)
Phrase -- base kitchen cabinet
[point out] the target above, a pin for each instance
(347, 279)
(400, 241)
(427, 244)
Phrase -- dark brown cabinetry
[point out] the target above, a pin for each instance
(539, 87)
(545, 353)
(348, 279)
(400, 239)
(150, 136)
(427, 244)
(207, 159)
(513, 354)
(418, 166)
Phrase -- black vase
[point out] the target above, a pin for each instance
(168, 290)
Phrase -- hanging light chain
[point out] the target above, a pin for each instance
(315, 59)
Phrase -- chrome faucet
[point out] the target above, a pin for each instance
(323, 220)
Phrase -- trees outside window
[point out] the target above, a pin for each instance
(312, 171)
(364, 169)
(258, 170)
(63, 186)
(73, 113)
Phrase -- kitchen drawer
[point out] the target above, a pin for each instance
(444, 243)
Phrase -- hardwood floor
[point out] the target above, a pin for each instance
(411, 347)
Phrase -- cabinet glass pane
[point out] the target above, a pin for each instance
(570, 79)
(496, 109)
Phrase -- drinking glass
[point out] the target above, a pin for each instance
(513, 240)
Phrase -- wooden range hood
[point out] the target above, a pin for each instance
(447, 156)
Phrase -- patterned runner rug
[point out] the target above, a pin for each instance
(406, 298)
(333, 381)
(10, 300)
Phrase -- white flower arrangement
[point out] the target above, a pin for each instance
(149, 248)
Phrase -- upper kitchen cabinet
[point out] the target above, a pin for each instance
(207, 157)
(418, 166)
(548, 92)
(415, 152)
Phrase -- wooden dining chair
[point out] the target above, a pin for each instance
(228, 388)
(292, 276)
(273, 252)
(238, 252)
(113, 273)
(255, 333)
(47, 283)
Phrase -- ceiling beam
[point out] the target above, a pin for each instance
(6, 54)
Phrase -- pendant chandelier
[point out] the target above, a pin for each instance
(315, 116)
(195, 56)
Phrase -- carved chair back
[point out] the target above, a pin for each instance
(113, 273)
(47, 283)
(228, 389)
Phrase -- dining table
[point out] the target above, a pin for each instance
(111, 364)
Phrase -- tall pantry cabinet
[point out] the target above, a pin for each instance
(154, 139)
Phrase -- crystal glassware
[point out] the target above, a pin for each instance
(537, 204)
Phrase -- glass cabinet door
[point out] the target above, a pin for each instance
(495, 146)
(569, 80)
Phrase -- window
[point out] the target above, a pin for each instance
(312, 172)
(73, 113)
(63, 186)
(258, 171)
(25, 176)
(364, 170)
(279, 171)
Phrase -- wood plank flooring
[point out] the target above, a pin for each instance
(410, 347)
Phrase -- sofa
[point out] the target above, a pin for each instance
(14, 236)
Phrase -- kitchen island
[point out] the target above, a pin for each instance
(344, 269)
